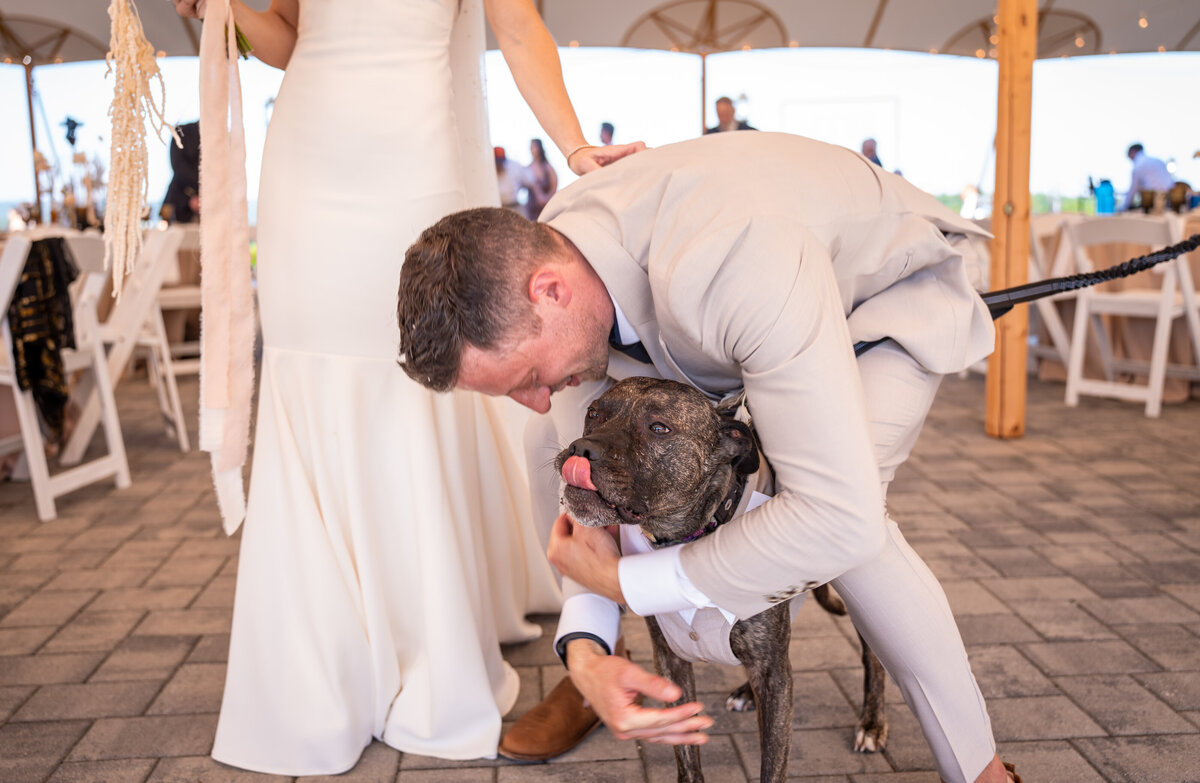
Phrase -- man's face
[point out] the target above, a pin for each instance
(724, 113)
(569, 349)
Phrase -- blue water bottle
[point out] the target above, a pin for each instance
(1106, 202)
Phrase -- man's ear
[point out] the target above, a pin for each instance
(547, 284)
(738, 443)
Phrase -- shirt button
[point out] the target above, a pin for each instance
(695, 637)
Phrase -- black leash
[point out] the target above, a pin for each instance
(1000, 302)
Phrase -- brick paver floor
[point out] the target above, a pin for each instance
(1071, 558)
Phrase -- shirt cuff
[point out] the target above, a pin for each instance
(654, 583)
(591, 616)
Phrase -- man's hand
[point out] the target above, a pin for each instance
(589, 555)
(592, 158)
(611, 683)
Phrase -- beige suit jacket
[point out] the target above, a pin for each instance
(755, 261)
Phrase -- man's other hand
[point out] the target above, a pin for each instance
(612, 685)
(588, 555)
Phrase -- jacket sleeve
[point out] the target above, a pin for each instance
(761, 295)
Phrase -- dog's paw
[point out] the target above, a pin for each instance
(870, 738)
(741, 699)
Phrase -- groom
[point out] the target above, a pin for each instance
(735, 261)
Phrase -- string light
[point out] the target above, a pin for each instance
(1142, 23)
(573, 44)
(745, 47)
(793, 44)
(980, 53)
(1079, 42)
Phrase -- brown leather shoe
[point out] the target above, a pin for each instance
(551, 728)
(1012, 772)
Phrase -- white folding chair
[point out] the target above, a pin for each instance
(126, 329)
(175, 295)
(88, 355)
(1175, 297)
(1046, 311)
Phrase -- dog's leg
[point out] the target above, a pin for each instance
(678, 671)
(761, 644)
(871, 735)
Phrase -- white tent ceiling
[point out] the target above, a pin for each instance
(67, 30)
(52, 31)
(963, 27)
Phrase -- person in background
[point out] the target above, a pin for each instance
(508, 180)
(1149, 174)
(868, 151)
(727, 119)
(606, 133)
(181, 204)
(540, 180)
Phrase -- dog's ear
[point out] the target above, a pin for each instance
(739, 443)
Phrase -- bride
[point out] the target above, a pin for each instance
(388, 548)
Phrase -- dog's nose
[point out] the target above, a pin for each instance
(586, 448)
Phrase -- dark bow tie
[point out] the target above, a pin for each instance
(635, 351)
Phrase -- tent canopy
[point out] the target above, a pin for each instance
(58, 31)
(52, 31)
(961, 27)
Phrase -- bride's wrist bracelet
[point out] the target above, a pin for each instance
(583, 146)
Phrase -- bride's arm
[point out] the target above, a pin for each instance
(271, 33)
(532, 57)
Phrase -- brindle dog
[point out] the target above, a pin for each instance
(659, 455)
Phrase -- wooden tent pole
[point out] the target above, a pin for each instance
(37, 185)
(703, 90)
(1016, 51)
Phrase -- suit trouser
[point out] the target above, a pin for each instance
(894, 599)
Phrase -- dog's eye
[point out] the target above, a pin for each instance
(659, 428)
(591, 413)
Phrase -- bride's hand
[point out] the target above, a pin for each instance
(193, 9)
(592, 158)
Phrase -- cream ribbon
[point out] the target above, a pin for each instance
(227, 320)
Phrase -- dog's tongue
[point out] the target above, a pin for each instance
(577, 472)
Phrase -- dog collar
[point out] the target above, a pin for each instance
(723, 513)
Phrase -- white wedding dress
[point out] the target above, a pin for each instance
(388, 546)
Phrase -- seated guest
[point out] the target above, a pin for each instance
(1149, 174)
(726, 118)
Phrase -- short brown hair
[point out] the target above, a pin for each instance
(463, 283)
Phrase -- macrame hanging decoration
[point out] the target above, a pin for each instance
(131, 60)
